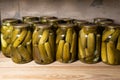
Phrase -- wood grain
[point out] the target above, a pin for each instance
(57, 71)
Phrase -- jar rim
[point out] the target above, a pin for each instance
(24, 17)
(65, 25)
(9, 20)
(90, 25)
(113, 26)
(21, 25)
(80, 21)
(42, 26)
(47, 17)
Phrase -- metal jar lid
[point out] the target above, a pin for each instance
(42, 26)
(97, 20)
(21, 25)
(8, 21)
(65, 25)
(30, 18)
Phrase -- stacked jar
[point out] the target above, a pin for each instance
(6, 33)
(89, 44)
(21, 50)
(43, 44)
(110, 51)
(66, 43)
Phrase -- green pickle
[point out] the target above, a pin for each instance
(6, 33)
(21, 44)
(43, 42)
(89, 43)
(66, 43)
(110, 50)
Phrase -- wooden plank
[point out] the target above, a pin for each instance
(57, 71)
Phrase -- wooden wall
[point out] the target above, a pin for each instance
(80, 9)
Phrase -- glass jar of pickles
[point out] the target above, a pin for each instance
(21, 40)
(6, 32)
(66, 43)
(110, 50)
(43, 40)
(89, 44)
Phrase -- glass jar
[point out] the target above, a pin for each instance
(110, 50)
(21, 40)
(43, 40)
(44, 19)
(6, 31)
(89, 40)
(66, 43)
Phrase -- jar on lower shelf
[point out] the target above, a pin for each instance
(21, 42)
(110, 50)
(89, 44)
(43, 42)
(66, 43)
(6, 32)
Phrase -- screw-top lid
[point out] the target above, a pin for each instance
(52, 19)
(79, 23)
(65, 25)
(113, 26)
(90, 26)
(30, 18)
(66, 19)
(105, 23)
(97, 20)
(43, 26)
(20, 25)
(10, 20)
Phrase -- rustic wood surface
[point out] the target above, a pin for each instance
(57, 71)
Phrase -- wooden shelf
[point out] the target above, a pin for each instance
(57, 71)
